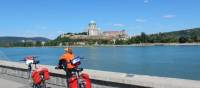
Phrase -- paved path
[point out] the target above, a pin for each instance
(10, 84)
(7, 81)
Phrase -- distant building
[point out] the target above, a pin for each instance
(94, 33)
(92, 29)
(115, 34)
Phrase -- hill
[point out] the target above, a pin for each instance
(19, 39)
(184, 33)
(11, 40)
(182, 36)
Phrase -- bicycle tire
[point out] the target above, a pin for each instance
(81, 83)
(43, 84)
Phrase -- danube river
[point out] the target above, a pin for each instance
(167, 61)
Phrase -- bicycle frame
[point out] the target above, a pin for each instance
(75, 72)
(79, 81)
(42, 84)
(29, 72)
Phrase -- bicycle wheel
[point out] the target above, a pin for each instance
(81, 83)
(36, 86)
(43, 84)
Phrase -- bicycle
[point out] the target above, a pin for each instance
(39, 75)
(76, 79)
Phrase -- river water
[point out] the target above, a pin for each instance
(167, 61)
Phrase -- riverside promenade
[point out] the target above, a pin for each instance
(8, 81)
(4, 83)
(14, 75)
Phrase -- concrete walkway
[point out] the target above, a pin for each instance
(7, 81)
(10, 84)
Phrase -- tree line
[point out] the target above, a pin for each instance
(142, 38)
(183, 36)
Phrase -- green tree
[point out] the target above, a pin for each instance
(144, 38)
(120, 42)
(38, 43)
(194, 38)
(183, 39)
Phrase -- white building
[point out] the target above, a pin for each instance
(92, 29)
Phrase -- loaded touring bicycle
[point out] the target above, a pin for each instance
(76, 78)
(39, 75)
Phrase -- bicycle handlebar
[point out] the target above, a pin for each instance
(31, 58)
(34, 57)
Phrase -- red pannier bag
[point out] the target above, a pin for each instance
(44, 71)
(36, 77)
(73, 82)
(86, 79)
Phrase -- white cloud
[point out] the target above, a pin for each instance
(146, 1)
(119, 25)
(140, 20)
(169, 16)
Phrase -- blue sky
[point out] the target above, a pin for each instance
(49, 18)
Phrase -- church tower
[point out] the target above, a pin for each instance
(92, 29)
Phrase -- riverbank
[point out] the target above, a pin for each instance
(139, 44)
